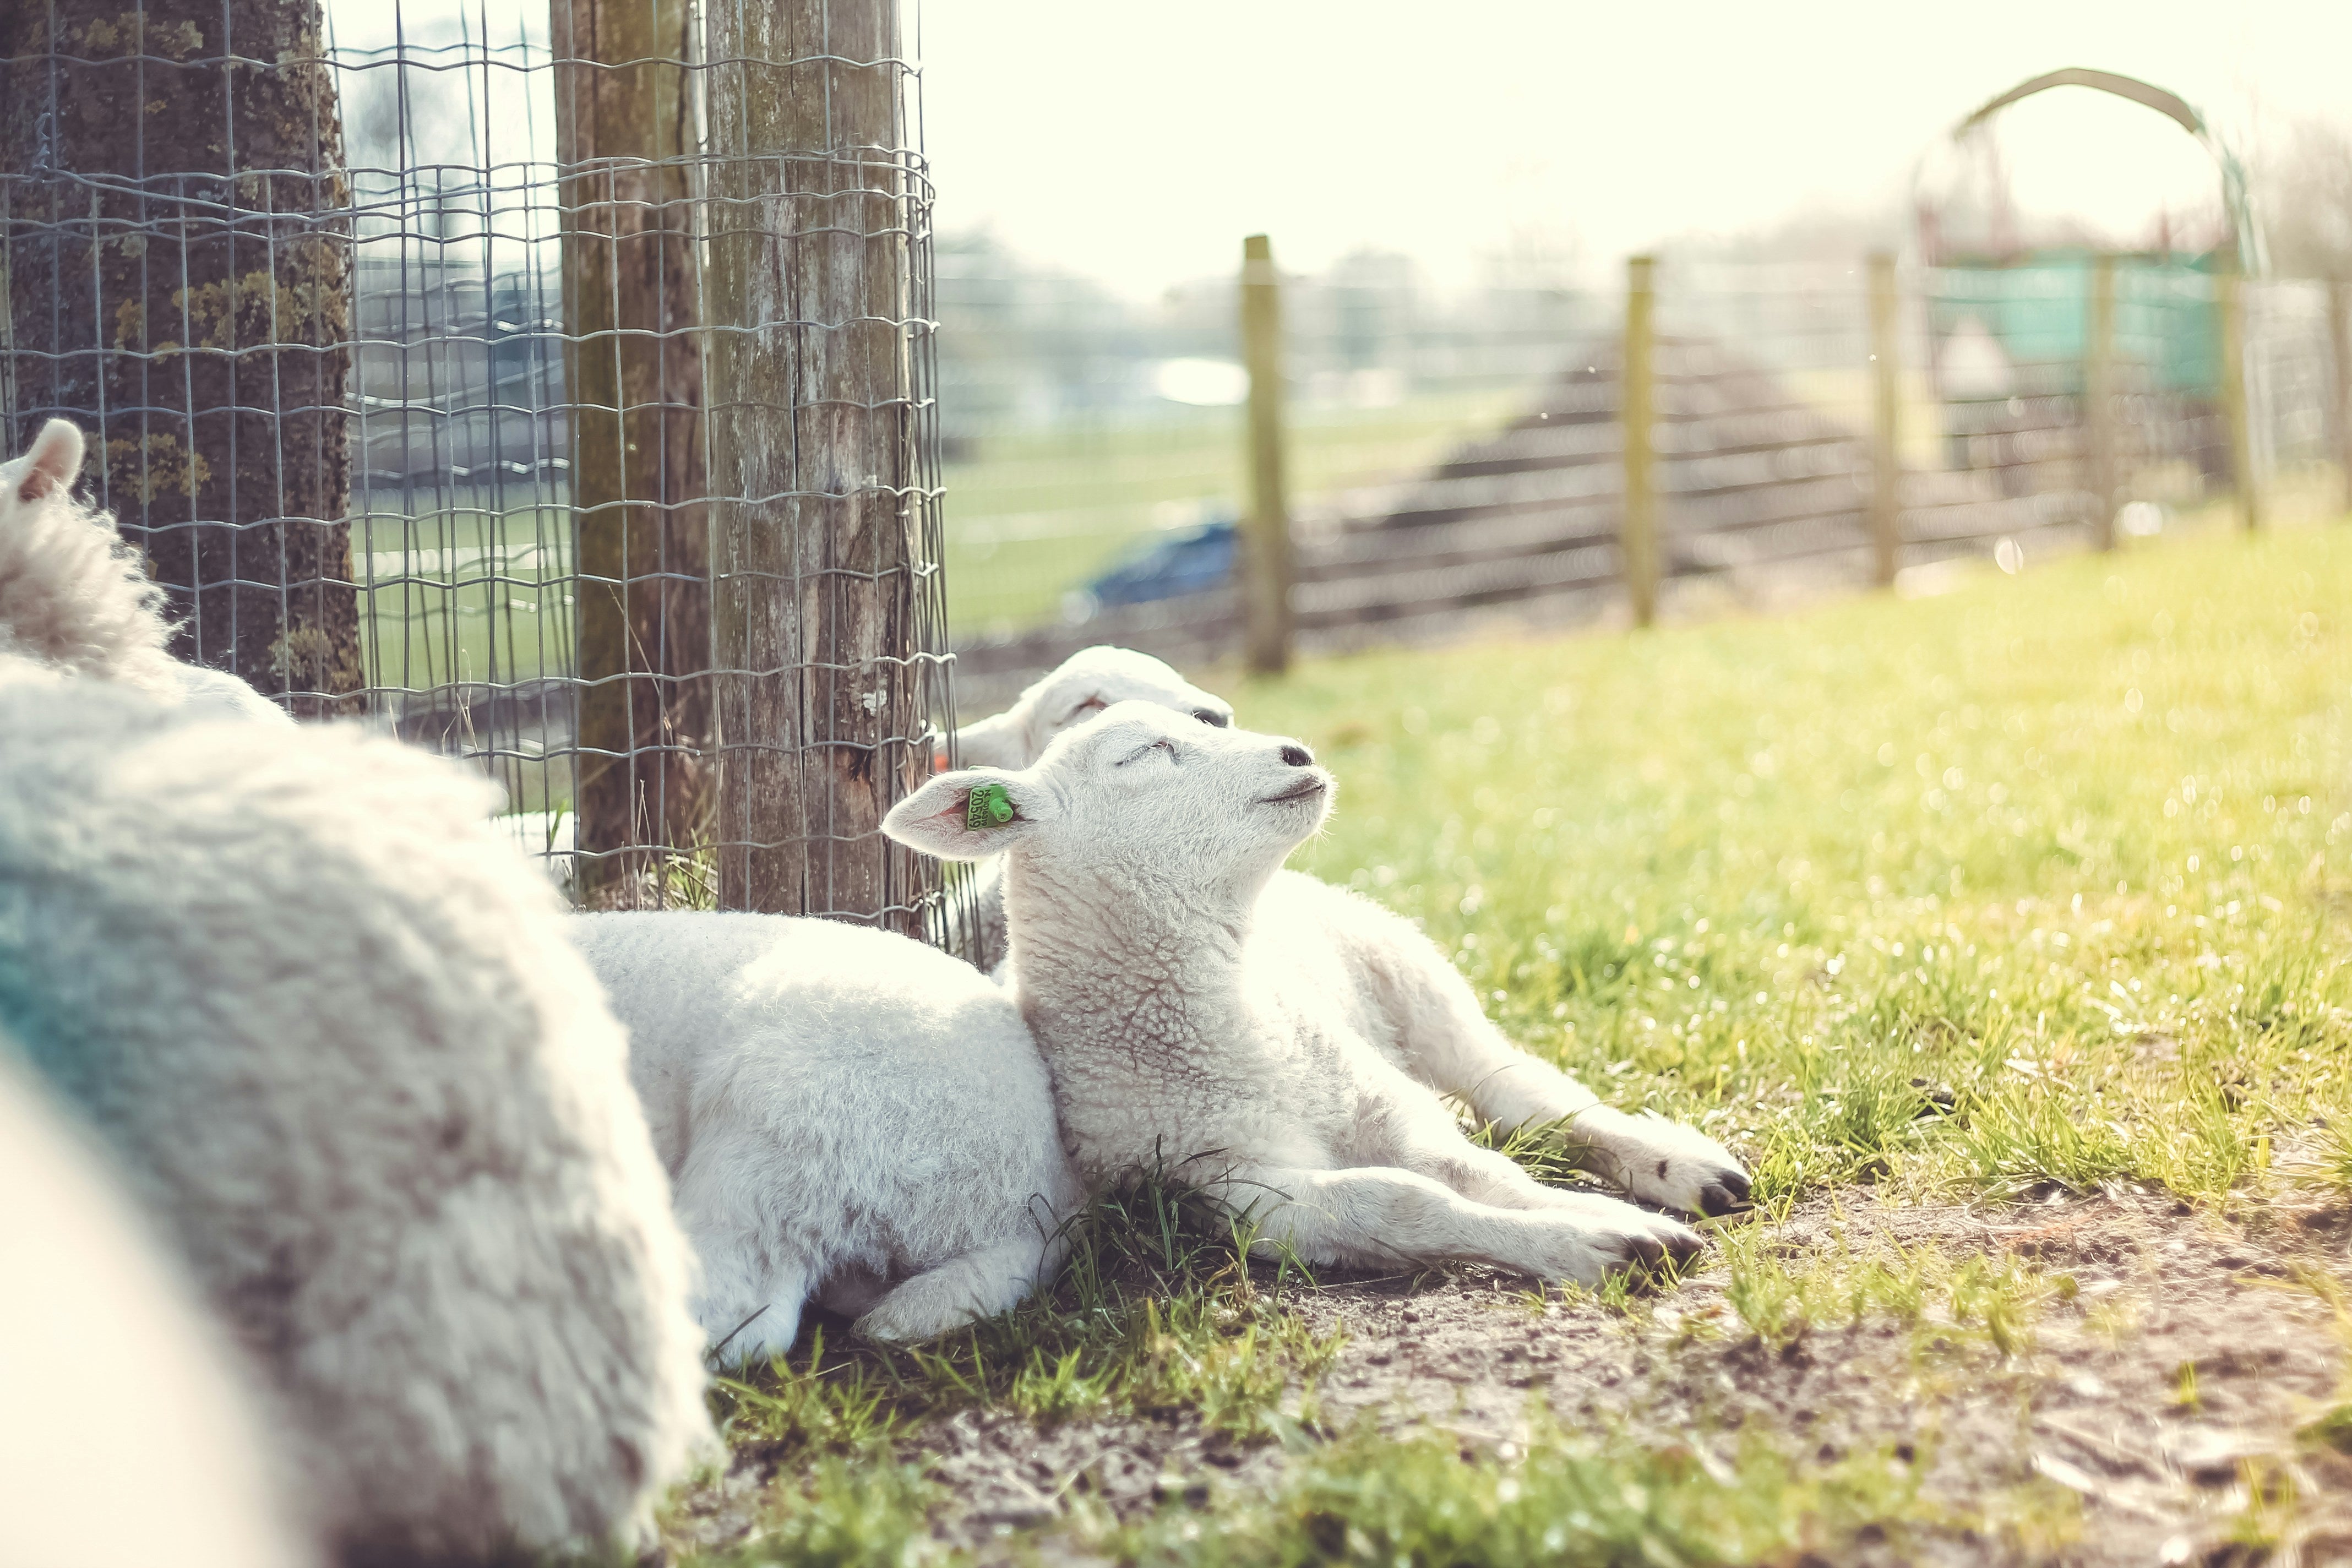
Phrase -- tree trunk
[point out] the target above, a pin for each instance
(193, 314)
(813, 458)
(622, 135)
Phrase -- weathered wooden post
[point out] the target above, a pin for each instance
(633, 363)
(1266, 586)
(2230, 296)
(1637, 540)
(1886, 422)
(809, 300)
(2099, 447)
(2340, 408)
(176, 247)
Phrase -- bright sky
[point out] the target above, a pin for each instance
(1140, 143)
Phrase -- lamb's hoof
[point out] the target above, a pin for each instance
(1666, 1248)
(1680, 1168)
(1726, 1193)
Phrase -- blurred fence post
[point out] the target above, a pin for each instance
(2229, 294)
(2339, 369)
(2099, 401)
(1638, 531)
(175, 246)
(634, 362)
(1266, 587)
(1886, 422)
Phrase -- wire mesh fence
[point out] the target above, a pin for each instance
(554, 382)
(578, 386)
(1485, 483)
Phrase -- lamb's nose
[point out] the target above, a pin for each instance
(1297, 756)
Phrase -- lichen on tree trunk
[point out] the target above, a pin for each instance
(177, 252)
(634, 366)
(813, 459)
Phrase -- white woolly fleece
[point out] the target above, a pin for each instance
(96, 1322)
(847, 1114)
(73, 596)
(71, 593)
(330, 1025)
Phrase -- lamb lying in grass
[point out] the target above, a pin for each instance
(847, 1114)
(1430, 1023)
(1251, 1041)
(331, 1028)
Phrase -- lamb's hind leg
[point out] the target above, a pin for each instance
(989, 1280)
(1450, 1045)
(752, 1280)
(1377, 1216)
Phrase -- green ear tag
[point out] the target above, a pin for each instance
(988, 806)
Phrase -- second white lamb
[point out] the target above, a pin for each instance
(847, 1115)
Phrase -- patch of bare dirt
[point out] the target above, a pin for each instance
(2176, 1373)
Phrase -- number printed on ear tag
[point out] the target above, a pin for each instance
(987, 806)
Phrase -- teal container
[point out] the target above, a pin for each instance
(2038, 311)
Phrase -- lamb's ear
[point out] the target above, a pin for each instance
(994, 742)
(938, 818)
(53, 463)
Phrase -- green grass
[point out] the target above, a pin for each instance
(1035, 515)
(2039, 885)
(1029, 517)
(1568, 1497)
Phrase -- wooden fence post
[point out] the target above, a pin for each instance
(634, 362)
(2230, 294)
(2340, 359)
(1266, 587)
(1886, 422)
(810, 297)
(1637, 541)
(2099, 401)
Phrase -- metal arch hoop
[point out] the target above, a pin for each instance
(2173, 107)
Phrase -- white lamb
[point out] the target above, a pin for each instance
(1189, 1016)
(331, 1028)
(1430, 1023)
(72, 595)
(847, 1114)
(96, 1324)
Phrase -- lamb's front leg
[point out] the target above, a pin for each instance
(1450, 1045)
(1377, 1216)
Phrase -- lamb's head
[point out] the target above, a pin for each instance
(1141, 800)
(71, 596)
(1084, 685)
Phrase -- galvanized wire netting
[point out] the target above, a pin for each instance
(1458, 453)
(553, 381)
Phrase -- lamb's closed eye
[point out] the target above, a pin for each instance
(1141, 752)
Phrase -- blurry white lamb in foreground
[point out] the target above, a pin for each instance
(847, 1114)
(1188, 1014)
(331, 1028)
(114, 1375)
(1430, 1023)
(1080, 686)
(72, 595)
